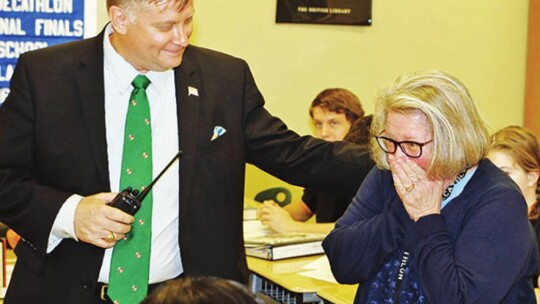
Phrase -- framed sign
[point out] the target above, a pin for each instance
(346, 12)
(31, 24)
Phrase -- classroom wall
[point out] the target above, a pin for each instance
(482, 42)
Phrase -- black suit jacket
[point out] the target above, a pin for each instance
(52, 144)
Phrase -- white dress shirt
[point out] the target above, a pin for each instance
(165, 261)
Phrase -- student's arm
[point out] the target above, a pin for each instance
(299, 211)
(283, 219)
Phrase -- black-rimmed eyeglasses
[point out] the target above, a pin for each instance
(412, 149)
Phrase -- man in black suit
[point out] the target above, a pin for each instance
(61, 138)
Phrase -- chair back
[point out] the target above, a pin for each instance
(281, 196)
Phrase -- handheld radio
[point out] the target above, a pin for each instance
(129, 200)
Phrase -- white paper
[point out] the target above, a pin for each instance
(319, 269)
(255, 228)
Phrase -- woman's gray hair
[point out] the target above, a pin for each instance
(460, 135)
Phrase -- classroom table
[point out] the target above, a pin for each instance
(280, 280)
(338, 294)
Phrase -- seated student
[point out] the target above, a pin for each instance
(336, 115)
(201, 290)
(515, 150)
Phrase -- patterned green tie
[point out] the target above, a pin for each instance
(130, 264)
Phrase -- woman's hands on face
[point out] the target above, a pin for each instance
(420, 195)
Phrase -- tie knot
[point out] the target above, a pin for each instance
(141, 82)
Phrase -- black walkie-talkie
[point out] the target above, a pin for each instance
(129, 200)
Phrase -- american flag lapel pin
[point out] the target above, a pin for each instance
(192, 91)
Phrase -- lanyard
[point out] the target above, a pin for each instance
(401, 274)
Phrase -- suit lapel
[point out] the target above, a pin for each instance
(189, 93)
(92, 97)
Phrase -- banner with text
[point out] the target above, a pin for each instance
(27, 25)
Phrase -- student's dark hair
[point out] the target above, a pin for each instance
(359, 131)
(340, 101)
(201, 290)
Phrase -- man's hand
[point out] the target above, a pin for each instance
(99, 224)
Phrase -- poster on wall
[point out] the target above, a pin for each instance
(27, 25)
(345, 12)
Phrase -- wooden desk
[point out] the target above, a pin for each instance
(338, 294)
(280, 280)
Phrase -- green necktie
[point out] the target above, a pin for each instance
(130, 264)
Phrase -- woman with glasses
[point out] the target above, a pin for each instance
(435, 222)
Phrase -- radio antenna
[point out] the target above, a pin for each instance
(149, 187)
